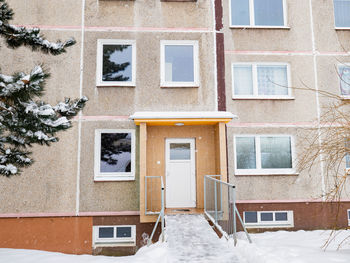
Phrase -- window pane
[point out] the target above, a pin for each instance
(344, 75)
(268, 12)
(245, 151)
(179, 63)
(272, 80)
(243, 80)
(281, 216)
(276, 152)
(341, 13)
(240, 12)
(180, 151)
(106, 232)
(117, 63)
(250, 217)
(349, 214)
(266, 216)
(123, 231)
(115, 152)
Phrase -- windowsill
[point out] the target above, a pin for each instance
(263, 98)
(178, 0)
(342, 28)
(113, 85)
(179, 85)
(261, 27)
(345, 97)
(115, 243)
(266, 173)
(268, 226)
(112, 178)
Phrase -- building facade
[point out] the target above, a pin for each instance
(178, 90)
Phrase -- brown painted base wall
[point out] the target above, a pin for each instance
(58, 234)
(71, 235)
(307, 215)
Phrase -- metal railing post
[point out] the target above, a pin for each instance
(145, 194)
(234, 214)
(216, 205)
(162, 209)
(205, 193)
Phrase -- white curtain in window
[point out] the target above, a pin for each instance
(275, 152)
(344, 74)
(243, 80)
(272, 80)
(245, 153)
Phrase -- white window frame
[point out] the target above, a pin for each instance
(345, 97)
(338, 27)
(193, 43)
(259, 170)
(255, 94)
(115, 241)
(271, 224)
(348, 216)
(99, 63)
(252, 17)
(117, 176)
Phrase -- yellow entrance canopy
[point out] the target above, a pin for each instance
(180, 118)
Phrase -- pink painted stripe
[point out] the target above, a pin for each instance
(286, 201)
(101, 118)
(125, 28)
(267, 52)
(20, 215)
(268, 124)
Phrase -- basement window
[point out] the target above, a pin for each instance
(348, 217)
(258, 13)
(121, 235)
(116, 62)
(114, 155)
(268, 219)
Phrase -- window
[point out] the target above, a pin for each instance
(348, 217)
(261, 81)
(119, 235)
(179, 63)
(344, 75)
(268, 154)
(116, 62)
(268, 219)
(258, 13)
(341, 13)
(114, 155)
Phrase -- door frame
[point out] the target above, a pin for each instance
(193, 187)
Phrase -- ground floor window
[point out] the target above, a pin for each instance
(268, 219)
(114, 155)
(121, 235)
(348, 216)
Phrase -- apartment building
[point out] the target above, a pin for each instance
(178, 90)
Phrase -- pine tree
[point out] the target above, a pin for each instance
(24, 119)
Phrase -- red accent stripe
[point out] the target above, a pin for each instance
(287, 201)
(20, 215)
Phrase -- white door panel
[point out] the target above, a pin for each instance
(180, 173)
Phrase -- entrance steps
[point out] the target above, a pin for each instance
(190, 238)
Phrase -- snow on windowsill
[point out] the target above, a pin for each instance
(112, 178)
(263, 98)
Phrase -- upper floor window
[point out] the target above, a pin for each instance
(114, 155)
(263, 80)
(116, 62)
(341, 13)
(179, 63)
(268, 154)
(344, 75)
(258, 13)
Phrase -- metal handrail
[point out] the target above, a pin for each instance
(161, 212)
(232, 196)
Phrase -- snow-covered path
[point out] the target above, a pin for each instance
(191, 239)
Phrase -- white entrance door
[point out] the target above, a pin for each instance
(180, 173)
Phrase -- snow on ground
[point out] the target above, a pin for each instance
(268, 247)
(293, 247)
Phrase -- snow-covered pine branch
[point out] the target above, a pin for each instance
(21, 36)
